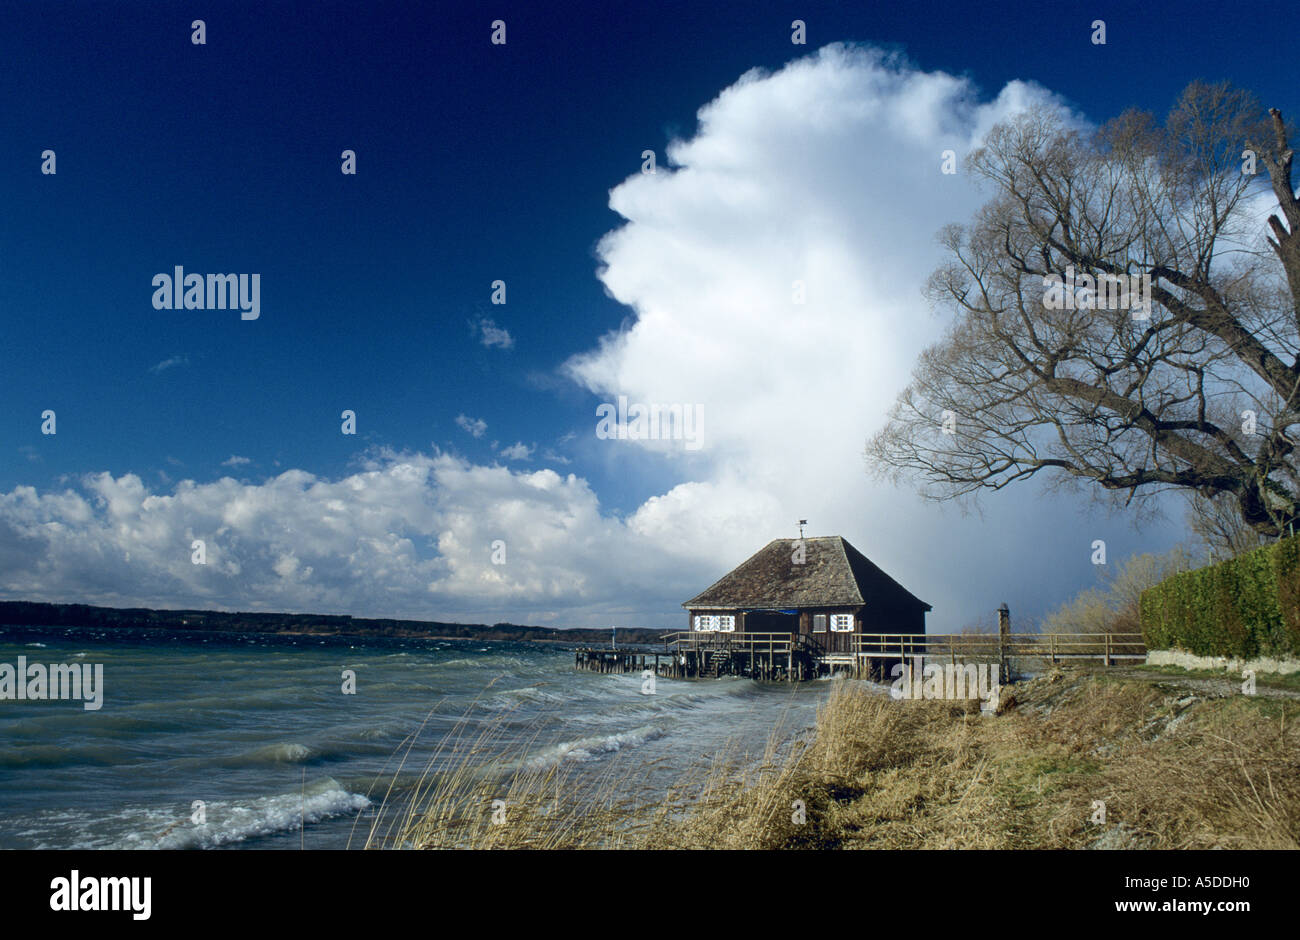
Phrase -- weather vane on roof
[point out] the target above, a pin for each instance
(802, 523)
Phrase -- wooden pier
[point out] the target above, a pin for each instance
(794, 657)
(767, 656)
(595, 659)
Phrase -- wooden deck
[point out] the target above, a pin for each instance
(795, 657)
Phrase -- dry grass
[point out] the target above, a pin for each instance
(477, 790)
(474, 791)
(1175, 770)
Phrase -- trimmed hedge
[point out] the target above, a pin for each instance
(1246, 607)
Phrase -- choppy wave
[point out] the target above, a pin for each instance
(498, 662)
(284, 752)
(593, 747)
(224, 822)
(54, 755)
(510, 699)
(72, 720)
(229, 822)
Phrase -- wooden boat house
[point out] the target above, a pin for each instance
(794, 609)
(822, 588)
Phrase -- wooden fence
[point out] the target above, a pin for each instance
(1052, 647)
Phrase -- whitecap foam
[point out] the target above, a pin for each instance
(532, 694)
(239, 820)
(595, 746)
(282, 752)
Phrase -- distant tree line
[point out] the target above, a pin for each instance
(29, 613)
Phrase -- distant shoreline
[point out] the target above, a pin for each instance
(39, 614)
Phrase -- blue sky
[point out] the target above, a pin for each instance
(475, 163)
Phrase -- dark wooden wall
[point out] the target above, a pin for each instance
(900, 616)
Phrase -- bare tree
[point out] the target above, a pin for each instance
(1114, 606)
(1053, 363)
(1220, 527)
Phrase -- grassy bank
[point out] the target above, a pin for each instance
(1175, 768)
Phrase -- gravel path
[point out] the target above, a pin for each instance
(1210, 687)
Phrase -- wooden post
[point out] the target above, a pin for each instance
(1004, 635)
(1107, 649)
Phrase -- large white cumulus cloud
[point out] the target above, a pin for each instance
(827, 173)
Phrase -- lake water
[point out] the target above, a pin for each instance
(259, 730)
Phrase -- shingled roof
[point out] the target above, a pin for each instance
(833, 574)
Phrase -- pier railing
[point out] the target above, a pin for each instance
(1049, 646)
(1052, 646)
(764, 643)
